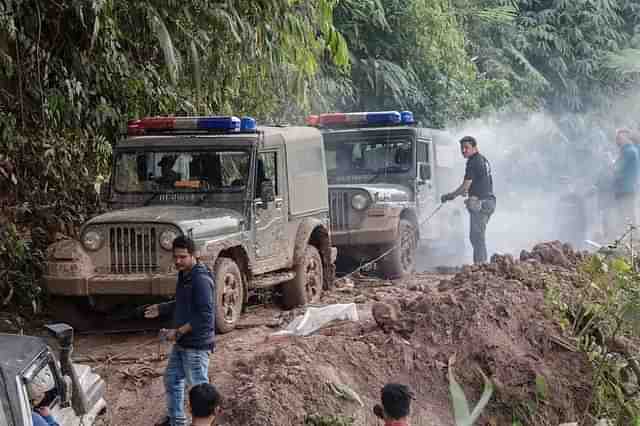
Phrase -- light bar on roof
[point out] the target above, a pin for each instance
(224, 124)
(376, 118)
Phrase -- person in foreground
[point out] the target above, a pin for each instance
(205, 401)
(193, 336)
(396, 405)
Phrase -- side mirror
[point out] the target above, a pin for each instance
(424, 171)
(267, 192)
(62, 332)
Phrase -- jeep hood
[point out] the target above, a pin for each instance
(385, 191)
(201, 221)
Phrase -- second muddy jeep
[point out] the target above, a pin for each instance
(386, 175)
(254, 199)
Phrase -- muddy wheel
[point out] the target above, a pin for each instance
(401, 261)
(229, 294)
(306, 287)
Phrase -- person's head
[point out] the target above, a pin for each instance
(396, 402)
(39, 386)
(623, 137)
(184, 253)
(468, 146)
(205, 401)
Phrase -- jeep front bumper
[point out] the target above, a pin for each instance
(112, 284)
(380, 230)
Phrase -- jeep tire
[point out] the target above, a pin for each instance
(401, 261)
(229, 290)
(306, 287)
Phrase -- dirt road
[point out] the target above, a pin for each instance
(132, 364)
(491, 317)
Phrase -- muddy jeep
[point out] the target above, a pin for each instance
(385, 179)
(254, 199)
(75, 393)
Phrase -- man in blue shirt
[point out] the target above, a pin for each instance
(193, 308)
(625, 183)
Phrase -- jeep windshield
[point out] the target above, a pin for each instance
(160, 172)
(366, 158)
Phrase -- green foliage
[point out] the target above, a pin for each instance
(564, 55)
(409, 55)
(605, 317)
(463, 415)
(18, 270)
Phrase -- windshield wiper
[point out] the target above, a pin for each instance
(152, 197)
(389, 169)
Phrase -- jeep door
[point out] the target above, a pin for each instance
(270, 210)
(426, 196)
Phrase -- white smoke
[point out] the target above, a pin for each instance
(537, 162)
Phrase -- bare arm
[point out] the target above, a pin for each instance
(462, 189)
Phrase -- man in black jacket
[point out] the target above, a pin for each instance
(481, 203)
(193, 310)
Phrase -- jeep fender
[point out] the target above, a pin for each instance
(68, 258)
(315, 232)
(227, 248)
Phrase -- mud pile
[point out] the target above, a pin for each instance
(491, 316)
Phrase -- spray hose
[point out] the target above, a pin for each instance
(371, 262)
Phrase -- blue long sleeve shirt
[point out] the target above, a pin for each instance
(626, 171)
(194, 304)
(39, 420)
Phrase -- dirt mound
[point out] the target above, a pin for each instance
(491, 316)
(553, 253)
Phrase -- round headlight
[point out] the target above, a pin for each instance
(92, 240)
(359, 202)
(166, 239)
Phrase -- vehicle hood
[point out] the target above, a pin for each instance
(384, 191)
(200, 221)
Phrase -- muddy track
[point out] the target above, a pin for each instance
(132, 362)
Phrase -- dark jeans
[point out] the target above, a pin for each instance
(479, 219)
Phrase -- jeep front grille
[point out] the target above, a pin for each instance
(133, 249)
(339, 207)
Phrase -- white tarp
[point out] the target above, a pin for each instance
(316, 318)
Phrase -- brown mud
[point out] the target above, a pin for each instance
(491, 317)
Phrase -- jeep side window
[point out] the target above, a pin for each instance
(266, 172)
(422, 158)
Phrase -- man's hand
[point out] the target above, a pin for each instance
(447, 197)
(152, 311)
(44, 411)
(168, 334)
